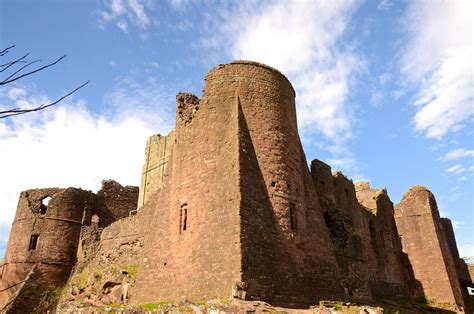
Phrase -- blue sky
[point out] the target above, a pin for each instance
(384, 88)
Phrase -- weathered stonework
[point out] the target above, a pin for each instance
(227, 208)
(425, 243)
(49, 238)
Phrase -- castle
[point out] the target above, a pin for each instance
(228, 208)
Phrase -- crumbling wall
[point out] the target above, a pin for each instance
(348, 225)
(424, 241)
(117, 200)
(195, 251)
(155, 169)
(462, 270)
(391, 277)
(55, 230)
(44, 236)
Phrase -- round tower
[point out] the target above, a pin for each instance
(267, 100)
(44, 237)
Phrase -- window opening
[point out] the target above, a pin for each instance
(33, 242)
(44, 205)
(183, 225)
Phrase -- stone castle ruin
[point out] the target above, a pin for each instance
(228, 208)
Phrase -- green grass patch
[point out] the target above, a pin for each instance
(81, 280)
(154, 306)
(185, 309)
(131, 270)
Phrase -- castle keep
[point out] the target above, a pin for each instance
(228, 208)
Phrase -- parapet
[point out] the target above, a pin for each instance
(241, 69)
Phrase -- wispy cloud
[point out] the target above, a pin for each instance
(384, 5)
(123, 12)
(304, 40)
(180, 4)
(456, 154)
(438, 60)
(456, 169)
(68, 145)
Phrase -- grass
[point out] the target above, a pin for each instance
(154, 306)
(56, 291)
(81, 280)
(131, 270)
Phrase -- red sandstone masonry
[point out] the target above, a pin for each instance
(66, 229)
(228, 208)
(419, 226)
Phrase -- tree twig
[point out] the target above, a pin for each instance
(18, 111)
(32, 72)
(19, 70)
(9, 64)
(6, 50)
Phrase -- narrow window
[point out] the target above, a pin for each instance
(33, 242)
(401, 242)
(323, 186)
(293, 218)
(183, 224)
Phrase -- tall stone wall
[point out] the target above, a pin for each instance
(462, 270)
(391, 275)
(155, 169)
(282, 227)
(347, 224)
(195, 250)
(424, 241)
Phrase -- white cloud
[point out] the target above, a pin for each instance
(456, 169)
(15, 93)
(122, 25)
(67, 145)
(121, 11)
(466, 250)
(438, 60)
(384, 5)
(305, 41)
(179, 4)
(463, 178)
(348, 166)
(457, 153)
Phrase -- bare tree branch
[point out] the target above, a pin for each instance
(17, 111)
(6, 50)
(32, 72)
(9, 64)
(19, 70)
(17, 74)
